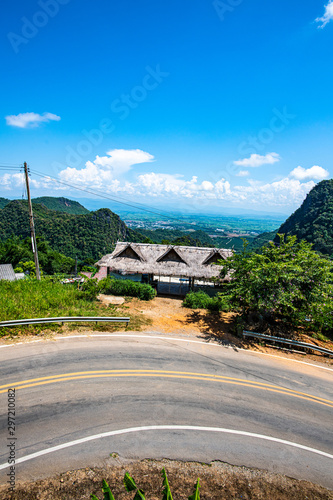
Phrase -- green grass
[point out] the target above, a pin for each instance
(38, 299)
(34, 299)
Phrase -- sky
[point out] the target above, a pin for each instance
(189, 105)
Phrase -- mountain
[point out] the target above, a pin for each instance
(3, 202)
(62, 205)
(90, 235)
(261, 240)
(313, 221)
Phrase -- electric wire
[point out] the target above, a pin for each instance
(96, 193)
(114, 197)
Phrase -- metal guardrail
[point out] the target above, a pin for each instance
(286, 341)
(64, 319)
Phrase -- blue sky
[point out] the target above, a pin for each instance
(192, 105)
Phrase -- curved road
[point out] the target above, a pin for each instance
(78, 399)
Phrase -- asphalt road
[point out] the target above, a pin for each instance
(77, 400)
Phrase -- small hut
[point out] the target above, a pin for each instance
(172, 269)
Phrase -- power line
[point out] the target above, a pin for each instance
(113, 197)
(4, 167)
(96, 193)
(4, 163)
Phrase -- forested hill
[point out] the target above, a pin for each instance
(3, 202)
(91, 235)
(313, 221)
(62, 205)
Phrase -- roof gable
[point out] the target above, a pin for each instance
(213, 258)
(130, 253)
(171, 255)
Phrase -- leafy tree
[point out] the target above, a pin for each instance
(148, 240)
(18, 252)
(287, 281)
(27, 267)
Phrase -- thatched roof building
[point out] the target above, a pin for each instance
(165, 260)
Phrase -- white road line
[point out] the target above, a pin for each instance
(160, 337)
(162, 428)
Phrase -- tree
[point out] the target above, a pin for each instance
(287, 281)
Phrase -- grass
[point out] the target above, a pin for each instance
(38, 299)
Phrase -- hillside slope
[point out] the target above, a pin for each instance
(62, 205)
(313, 221)
(91, 235)
(3, 202)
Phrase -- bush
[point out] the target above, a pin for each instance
(89, 289)
(201, 300)
(127, 288)
(88, 269)
(196, 300)
(288, 282)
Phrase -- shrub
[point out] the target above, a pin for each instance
(201, 300)
(88, 269)
(127, 288)
(89, 289)
(288, 282)
(196, 300)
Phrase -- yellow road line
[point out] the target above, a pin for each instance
(164, 374)
(218, 377)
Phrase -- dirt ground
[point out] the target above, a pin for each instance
(217, 480)
(168, 316)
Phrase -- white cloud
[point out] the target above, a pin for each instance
(284, 193)
(102, 173)
(315, 172)
(154, 184)
(243, 173)
(30, 120)
(328, 15)
(9, 182)
(105, 174)
(256, 160)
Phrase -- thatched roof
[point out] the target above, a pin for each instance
(165, 260)
(7, 272)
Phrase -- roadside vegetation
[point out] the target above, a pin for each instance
(31, 298)
(286, 286)
(127, 288)
(131, 487)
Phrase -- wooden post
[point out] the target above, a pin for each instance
(75, 272)
(32, 225)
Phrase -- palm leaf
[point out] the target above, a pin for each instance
(166, 491)
(196, 494)
(129, 483)
(139, 495)
(107, 492)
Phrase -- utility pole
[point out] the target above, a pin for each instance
(32, 225)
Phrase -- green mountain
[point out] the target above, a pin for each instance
(313, 221)
(88, 236)
(261, 240)
(3, 202)
(62, 205)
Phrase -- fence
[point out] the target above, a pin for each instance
(287, 341)
(64, 319)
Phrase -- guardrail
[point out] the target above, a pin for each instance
(64, 319)
(305, 345)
